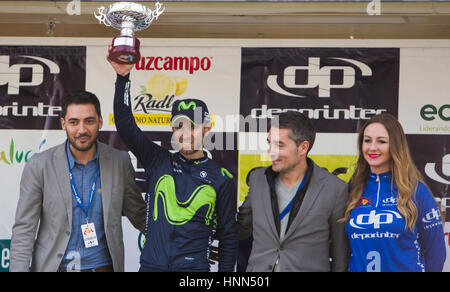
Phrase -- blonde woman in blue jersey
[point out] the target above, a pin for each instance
(392, 220)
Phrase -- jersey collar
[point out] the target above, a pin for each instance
(192, 161)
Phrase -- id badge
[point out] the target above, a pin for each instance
(89, 235)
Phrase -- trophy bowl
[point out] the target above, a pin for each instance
(127, 17)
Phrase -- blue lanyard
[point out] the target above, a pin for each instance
(75, 193)
(289, 206)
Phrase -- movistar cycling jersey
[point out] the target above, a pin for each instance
(188, 200)
(377, 234)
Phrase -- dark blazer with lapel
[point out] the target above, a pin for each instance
(45, 206)
(313, 237)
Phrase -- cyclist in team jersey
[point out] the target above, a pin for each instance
(190, 197)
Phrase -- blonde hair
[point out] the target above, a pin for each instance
(405, 174)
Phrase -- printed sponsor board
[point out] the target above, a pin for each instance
(434, 118)
(34, 81)
(424, 103)
(332, 85)
(339, 165)
(16, 148)
(338, 88)
(166, 74)
(432, 157)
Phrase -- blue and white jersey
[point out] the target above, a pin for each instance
(378, 238)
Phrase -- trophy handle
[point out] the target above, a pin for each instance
(155, 13)
(102, 16)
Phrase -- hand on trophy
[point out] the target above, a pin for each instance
(121, 69)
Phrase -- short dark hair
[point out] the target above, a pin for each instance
(80, 97)
(300, 125)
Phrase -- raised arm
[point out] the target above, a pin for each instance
(144, 149)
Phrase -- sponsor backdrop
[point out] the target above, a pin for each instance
(245, 83)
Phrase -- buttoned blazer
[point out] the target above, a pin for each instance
(315, 241)
(43, 220)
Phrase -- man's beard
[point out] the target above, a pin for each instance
(83, 148)
(187, 147)
(189, 151)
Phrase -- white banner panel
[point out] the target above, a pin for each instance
(165, 74)
(16, 147)
(424, 93)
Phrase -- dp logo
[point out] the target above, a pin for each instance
(318, 76)
(11, 75)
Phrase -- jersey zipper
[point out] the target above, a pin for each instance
(378, 192)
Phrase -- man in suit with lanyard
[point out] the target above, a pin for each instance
(76, 193)
(292, 206)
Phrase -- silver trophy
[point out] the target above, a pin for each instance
(127, 17)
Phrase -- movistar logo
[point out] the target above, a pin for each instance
(186, 107)
(179, 213)
(224, 172)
